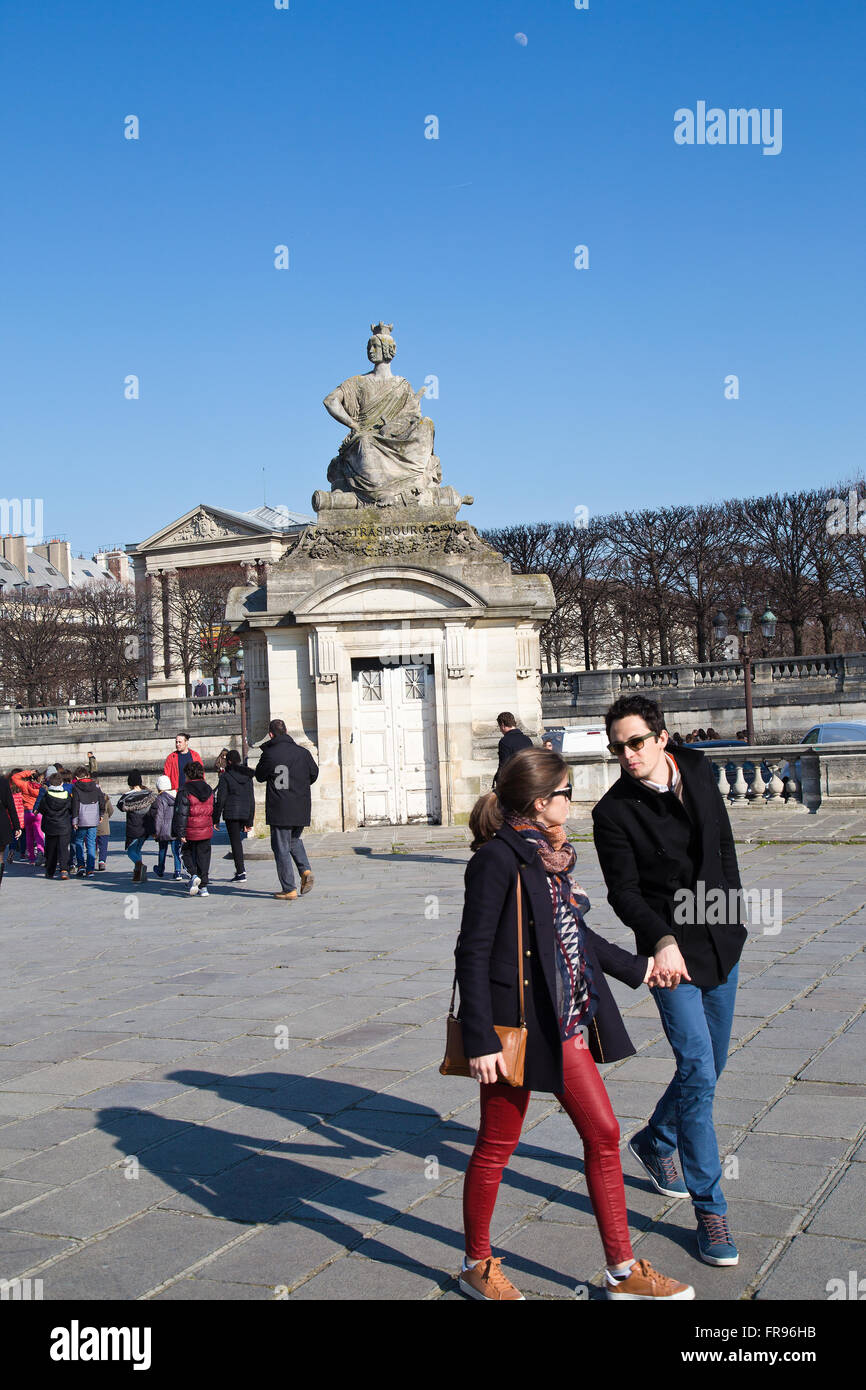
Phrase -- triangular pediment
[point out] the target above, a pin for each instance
(200, 525)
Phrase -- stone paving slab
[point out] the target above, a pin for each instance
(332, 1167)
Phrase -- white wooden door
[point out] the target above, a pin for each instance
(396, 757)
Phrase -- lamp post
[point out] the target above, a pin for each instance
(239, 664)
(225, 669)
(744, 625)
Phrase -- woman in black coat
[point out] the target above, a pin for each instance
(235, 802)
(10, 826)
(571, 1018)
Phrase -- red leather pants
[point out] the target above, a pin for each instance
(587, 1105)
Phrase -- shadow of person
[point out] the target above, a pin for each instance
(390, 857)
(305, 1151)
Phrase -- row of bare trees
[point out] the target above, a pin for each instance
(641, 588)
(91, 643)
(76, 643)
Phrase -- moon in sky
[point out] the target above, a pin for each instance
(521, 39)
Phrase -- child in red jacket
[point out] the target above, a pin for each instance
(192, 823)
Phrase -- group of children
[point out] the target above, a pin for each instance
(59, 814)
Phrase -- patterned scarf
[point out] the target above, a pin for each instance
(575, 997)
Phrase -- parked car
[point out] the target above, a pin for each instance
(589, 738)
(833, 731)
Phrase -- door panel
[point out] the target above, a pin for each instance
(397, 764)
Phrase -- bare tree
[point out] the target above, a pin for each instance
(33, 629)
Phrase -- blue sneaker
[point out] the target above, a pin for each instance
(715, 1243)
(662, 1172)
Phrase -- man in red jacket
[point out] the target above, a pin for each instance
(177, 762)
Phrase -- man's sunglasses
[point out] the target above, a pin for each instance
(635, 744)
(563, 791)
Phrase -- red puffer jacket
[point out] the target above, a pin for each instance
(193, 812)
(24, 784)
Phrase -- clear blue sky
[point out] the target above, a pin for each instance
(558, 387)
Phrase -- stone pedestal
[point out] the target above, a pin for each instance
(405, 599)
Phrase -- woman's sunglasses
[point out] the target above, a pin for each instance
(563, 791)
(635, 744)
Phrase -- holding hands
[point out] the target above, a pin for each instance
(667, 969)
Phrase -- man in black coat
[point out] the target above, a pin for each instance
(667, 853)
(512, 739)
(289, 772)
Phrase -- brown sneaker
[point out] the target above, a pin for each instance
(487, 1282)
(646, 1282)
(307, 881)
(291, 895)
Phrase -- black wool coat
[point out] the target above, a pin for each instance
(650, 847)
(289, 770)
(9, 822)
(487, 964)
(235, 798)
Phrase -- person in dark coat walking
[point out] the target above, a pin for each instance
(511, 742)
(666, 850)
(55, 808)
(235, 802)
(192, 824)
(289, 772)
(10, 825)
(571, 1018)
(137, 805)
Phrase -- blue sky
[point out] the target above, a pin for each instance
(558, 388)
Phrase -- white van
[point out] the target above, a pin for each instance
(584, 738)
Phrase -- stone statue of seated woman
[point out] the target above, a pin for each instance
(387, 457)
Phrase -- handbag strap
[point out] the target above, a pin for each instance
(519, 957)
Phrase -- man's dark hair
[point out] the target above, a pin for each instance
(55, 780)
(194, 772)
(647, 710)
(81, 772)
(133, 778)
(702, 733)
(276, 726)
(506, 720)
(233, 757)
(181, 734)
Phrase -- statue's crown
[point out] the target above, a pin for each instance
(381, 328)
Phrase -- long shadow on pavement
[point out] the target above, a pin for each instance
(246, 1178)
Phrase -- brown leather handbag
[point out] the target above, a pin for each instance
(513, 1040)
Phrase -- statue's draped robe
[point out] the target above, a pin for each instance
(379, 460)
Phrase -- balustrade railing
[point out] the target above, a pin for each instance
(35, 718)
(761, 775)
(648, 677)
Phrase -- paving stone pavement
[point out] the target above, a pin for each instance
(239, 1098)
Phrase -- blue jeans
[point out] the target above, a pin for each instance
(85, 836)
(163, 851)
(697, 1023)
(133, 849)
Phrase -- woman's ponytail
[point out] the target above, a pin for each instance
(485, 819)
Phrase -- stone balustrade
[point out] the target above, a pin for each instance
(788, 694)
(785, 776)
(210, 714)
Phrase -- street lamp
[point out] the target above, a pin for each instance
(239, 664)
(225, 667)
(744, 626)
